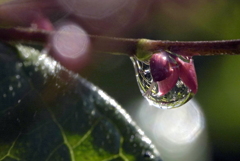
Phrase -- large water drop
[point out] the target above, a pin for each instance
(176, 97)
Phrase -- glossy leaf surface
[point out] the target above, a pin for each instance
(50, 113)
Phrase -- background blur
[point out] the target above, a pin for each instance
(205, 129)
(218, 76)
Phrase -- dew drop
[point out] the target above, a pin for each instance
(148, 155)
(19, 65)
(131, 138)
(36, 69)
(10, 88)
(19, 85)
(17, 76)
(93, 112)
(176, 97)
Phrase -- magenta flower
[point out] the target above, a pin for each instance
(167, 68)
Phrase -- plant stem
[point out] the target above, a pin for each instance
(100, 43)
(22, 35)
(112, 45)
(194, 48)
(129, 46)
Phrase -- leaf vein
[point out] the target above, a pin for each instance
(64, 137)
(86, 135)
(53, 151)
(9, 150)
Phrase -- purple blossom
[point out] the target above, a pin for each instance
(167, 68)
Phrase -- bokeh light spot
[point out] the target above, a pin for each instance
(70, 45)
(70, 41)
(180, 125)
(179, 133)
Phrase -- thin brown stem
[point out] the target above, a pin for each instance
(18, 35)
(112, 45)
(195, 48)
(130, 46)
(122, 46)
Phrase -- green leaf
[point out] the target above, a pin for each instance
(48, 113)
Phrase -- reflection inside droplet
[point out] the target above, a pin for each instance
(179, 94)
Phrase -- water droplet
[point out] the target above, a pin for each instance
(10, 88)
(93, 112)
(148, 155)
(17, 76)
(19, 65)
(19, 85)
(176, 97)
(36, 69)
(131, 138)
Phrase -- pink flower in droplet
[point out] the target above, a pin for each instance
(166, 69)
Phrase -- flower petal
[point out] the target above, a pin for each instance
(188, 74)
(159, 66)
(167, 84)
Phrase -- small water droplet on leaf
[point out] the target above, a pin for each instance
(4, 95)
(10, 88)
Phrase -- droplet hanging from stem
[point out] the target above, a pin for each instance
(165, 80)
